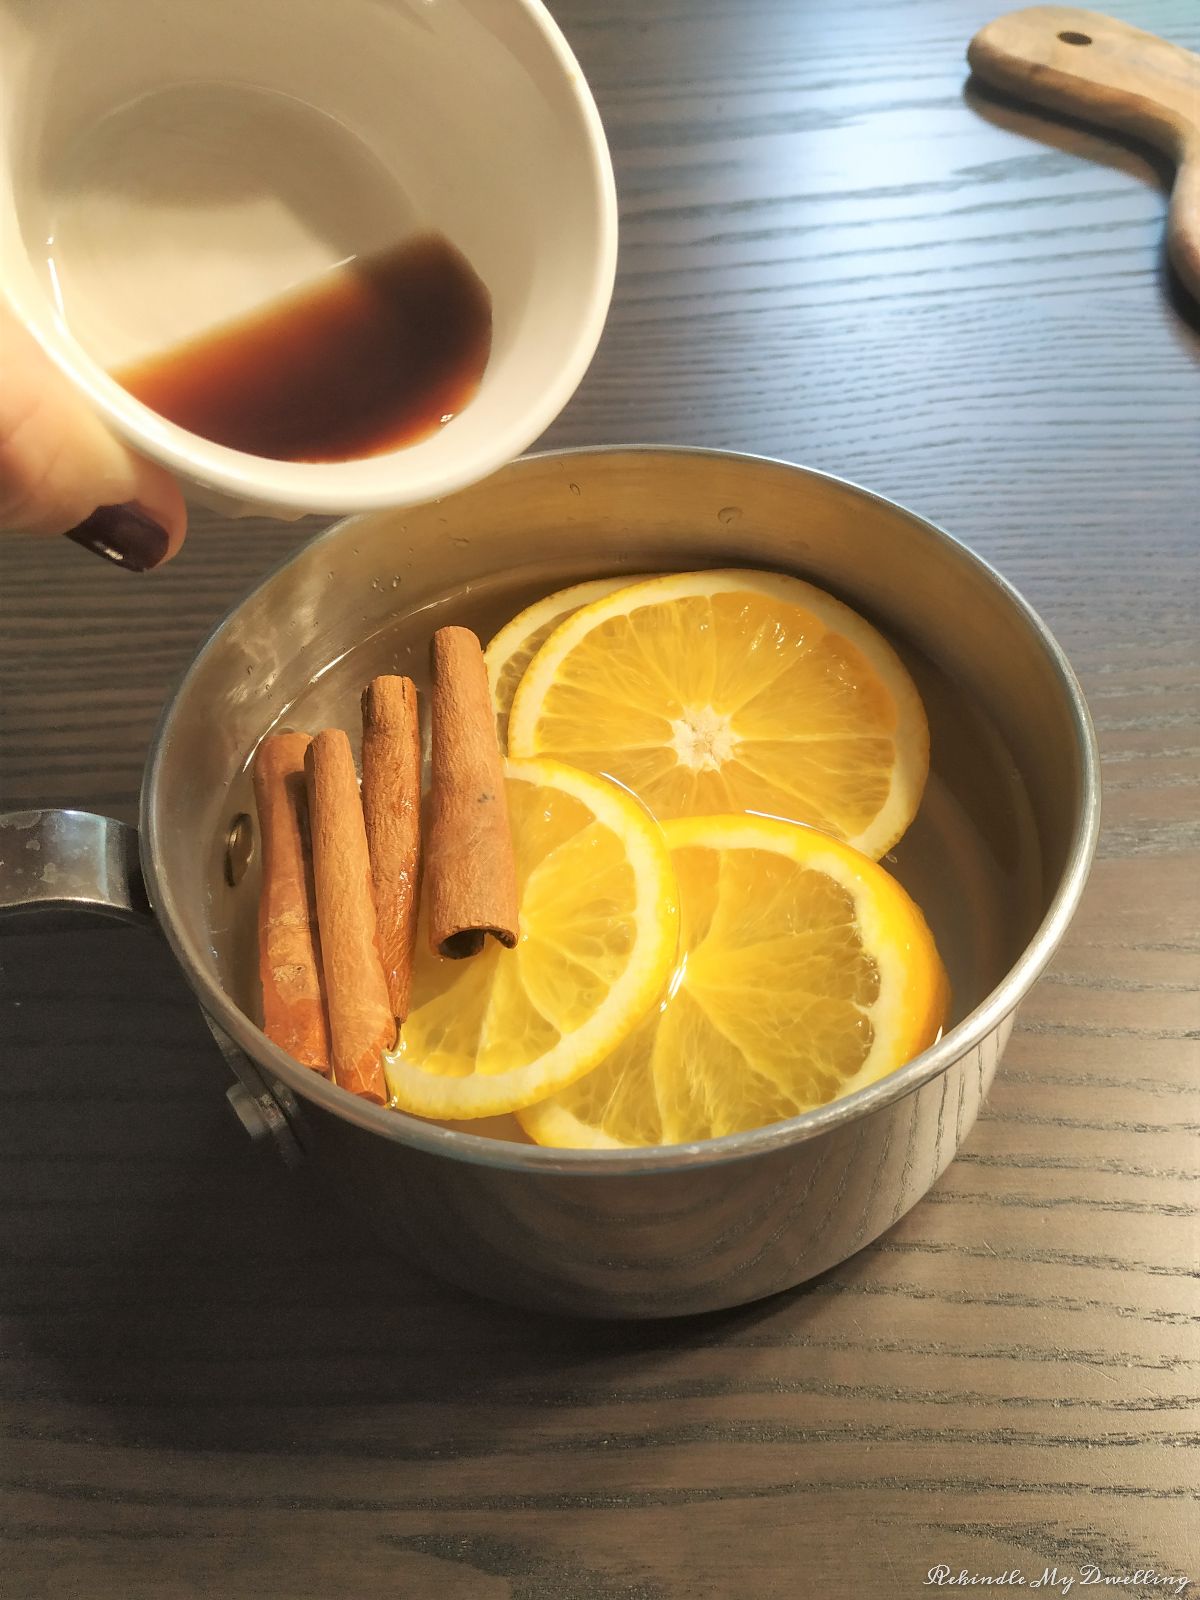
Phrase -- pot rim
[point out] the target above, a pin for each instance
(402, 1128)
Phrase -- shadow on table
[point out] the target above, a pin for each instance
(1121, 152)
(172, 1286)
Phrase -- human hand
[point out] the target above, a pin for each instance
(63, 472)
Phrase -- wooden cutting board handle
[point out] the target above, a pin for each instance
(1102, 70)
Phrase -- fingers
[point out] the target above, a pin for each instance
(62, 471)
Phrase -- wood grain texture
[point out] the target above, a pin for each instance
(832, 251)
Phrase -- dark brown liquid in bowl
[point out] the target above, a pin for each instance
(377, 354)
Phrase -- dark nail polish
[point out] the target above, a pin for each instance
(123, 534)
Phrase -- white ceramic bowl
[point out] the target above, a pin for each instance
(166, 167)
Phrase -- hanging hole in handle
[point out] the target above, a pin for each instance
(1070, 37)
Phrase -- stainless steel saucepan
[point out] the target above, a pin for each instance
(998, 857)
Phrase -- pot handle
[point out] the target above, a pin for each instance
(56, 861)
(71, 861)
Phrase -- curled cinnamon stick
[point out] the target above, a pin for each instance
(360, 1013)
(289, 956)
(471, 876)
(391, 801)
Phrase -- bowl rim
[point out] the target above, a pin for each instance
(342, 488)
(961, 1040)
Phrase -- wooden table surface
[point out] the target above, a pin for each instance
(838, 251)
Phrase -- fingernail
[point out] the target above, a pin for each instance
(125, 535)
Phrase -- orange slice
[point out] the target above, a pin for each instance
(599, 933)
(728, 691)
(806, 972)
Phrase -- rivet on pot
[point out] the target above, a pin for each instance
(239, 849)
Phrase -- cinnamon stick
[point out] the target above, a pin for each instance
(391, 800)
(360, 1013)
(289, 958)
(471, 877)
